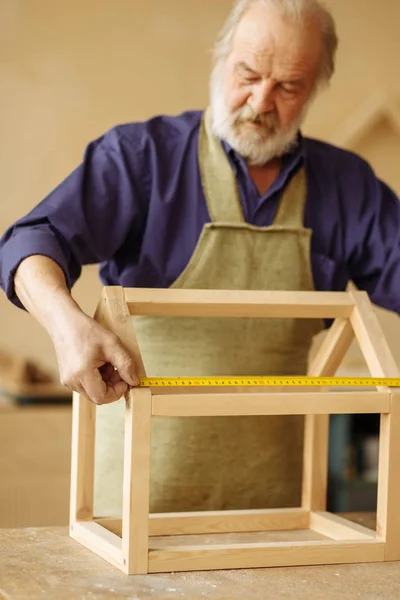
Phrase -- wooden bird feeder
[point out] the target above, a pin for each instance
(152, 543)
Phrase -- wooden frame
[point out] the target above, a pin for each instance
(132, 545)
(378, 106)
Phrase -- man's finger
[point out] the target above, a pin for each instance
(116, 391)
(110, 374)
(82, 391)
(114, 377)
(106, 371)
(121, 360)
(95, 388)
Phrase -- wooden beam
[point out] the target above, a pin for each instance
(315, 462)
(100, 541)
(225, 521)
(388, 517)
(250, 556)
(238, 303)
(370, 336)
(113, 313)
(300, 403)
(316, 430)
(82, 459)
(333, 349)
(136, 491)
(230, 521)
(338, 528)
(362, 120)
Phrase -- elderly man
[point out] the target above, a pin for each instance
(230, 198)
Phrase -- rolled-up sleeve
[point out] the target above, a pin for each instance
(26, 241)
(375, 258)
(85, 220)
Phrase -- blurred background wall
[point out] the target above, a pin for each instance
(70, 70)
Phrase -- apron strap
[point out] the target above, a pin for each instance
(291, 207)
(219, 182)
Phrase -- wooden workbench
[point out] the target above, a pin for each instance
(38, 563)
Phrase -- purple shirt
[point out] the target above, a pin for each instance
(136, 206)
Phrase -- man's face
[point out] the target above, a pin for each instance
(262, 91)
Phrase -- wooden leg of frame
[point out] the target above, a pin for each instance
(82, 459)
(388, 515)
(136, 493)
(316, 430)
(315, 462)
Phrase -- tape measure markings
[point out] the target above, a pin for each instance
(268, 381)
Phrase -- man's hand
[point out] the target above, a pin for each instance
(92, 360)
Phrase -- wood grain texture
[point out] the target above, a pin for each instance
(136, 486)
(281, 554)
(388, 518)
(370, 336)
(338, 528)
(332, 351)
(238, 303)
(113, 313)
(99, 540)
(206, 522)
(296, 403)
(82, 459)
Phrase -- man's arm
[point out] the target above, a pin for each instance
(91, 359)
(375, 260)
(85, 220)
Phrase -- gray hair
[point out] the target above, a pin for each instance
(295, 9)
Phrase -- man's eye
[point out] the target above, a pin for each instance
(288, 89)
(249, 79)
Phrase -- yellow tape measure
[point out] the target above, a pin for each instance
(267, 381)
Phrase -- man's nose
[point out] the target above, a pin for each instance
(262, 99)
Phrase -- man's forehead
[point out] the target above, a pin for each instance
(263, 35)
(268, 57)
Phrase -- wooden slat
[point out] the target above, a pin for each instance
(100, 541)
(190, 405)
(82, 459)
(238, 303)
(232, 521)
(370, 336)
(388, 516)
(338, 528)
(316, 430)
(135, 511)
(113, 313)
(381, 363)
(333, 349)
(244, 390)
(113, 525)
(315, 462)
(247, 556)
(226, 521)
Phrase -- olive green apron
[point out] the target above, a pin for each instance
(204, 463)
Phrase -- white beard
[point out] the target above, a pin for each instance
(256, 146)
